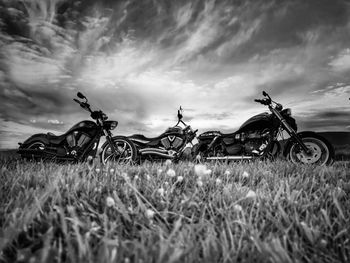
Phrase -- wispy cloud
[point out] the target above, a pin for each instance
(140, 60)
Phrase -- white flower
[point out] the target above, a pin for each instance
(171, 173)
(111, 170)
(167, 162)
(148, 177)
(180, 178)
(159, 171)
(237, 208)
(227, 173)
(160, 191)
(166, 184)
(149, 213)
(136, 178)
(98, 170)
(245, 174)
(218, 181)
(200, 169)
(251, 194)
(110, 201)
(199, 183)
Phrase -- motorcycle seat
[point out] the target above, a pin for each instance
(54, 139)
(232, 134)
(143, 138)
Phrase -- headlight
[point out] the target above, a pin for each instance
(113, 125)
(287, 112)
(110, 125)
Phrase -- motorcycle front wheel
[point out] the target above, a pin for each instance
(125, 151)
(321, 153)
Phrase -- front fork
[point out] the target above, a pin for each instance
(110, 141)
(290, 130)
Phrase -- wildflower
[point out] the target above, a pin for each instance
(97, 170)
(199, 183)
(200, 169)
(237, 208)
(148, 177)
(227, 173)
(323, 242)
(149, 213)
(251, 194)
(166, 184)
(159, 171)
(167, 162)
(218, 181)
(245, 174)
(110, 201)
(171, 173)
(111, 170)
(180, 179)
(136, 178)
(160, 191)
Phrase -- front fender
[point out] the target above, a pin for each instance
(37, 137)
(303, 134)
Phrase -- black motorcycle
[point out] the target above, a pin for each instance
(169, 145)
(257, 138)
(81, 141)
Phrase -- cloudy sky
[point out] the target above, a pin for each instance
(139, 60)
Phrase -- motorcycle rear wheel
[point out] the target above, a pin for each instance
(35, 145)
(321, 152)
(126, 152)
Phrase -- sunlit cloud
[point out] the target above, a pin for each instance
(140, 60)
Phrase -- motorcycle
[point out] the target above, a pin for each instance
(169, 145)
(81, 142)
(257, 138)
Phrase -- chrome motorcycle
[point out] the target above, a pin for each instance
(258, 138)
(169, 145)
(81, 142)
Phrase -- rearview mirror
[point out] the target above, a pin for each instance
(80, 95)
(264, 93)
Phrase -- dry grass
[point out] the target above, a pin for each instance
(239, 212)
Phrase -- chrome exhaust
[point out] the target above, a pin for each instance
(158, 153)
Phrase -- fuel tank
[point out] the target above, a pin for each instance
(87, 126)
(262, 120)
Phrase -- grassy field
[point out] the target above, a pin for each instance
(238, 212)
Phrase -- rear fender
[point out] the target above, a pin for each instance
(36, 137)
(304, 134)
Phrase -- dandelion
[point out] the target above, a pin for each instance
(110, 201)
(200, 169)
(111, 170)
(199, 183)
(323, 242)
(227, 173)
(245, 174)
(251, 194)
(218, 181)
(167, 162)
(136, 178)
(149, 213)
(180, 179)
(171, 173)
(160, 191)
(97, 170)
(237, 208)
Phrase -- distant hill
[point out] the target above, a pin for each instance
(337, 138)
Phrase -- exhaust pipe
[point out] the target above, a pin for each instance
(159, 152)
(230, 158)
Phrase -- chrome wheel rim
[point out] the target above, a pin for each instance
(124, 152)
(319, 153)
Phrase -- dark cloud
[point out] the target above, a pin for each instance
(139, 60)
